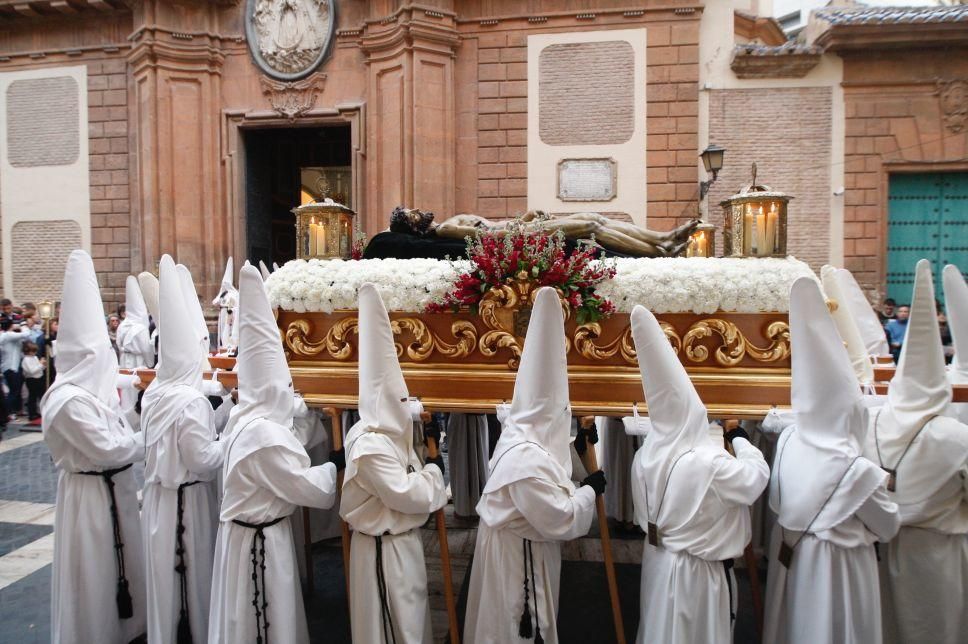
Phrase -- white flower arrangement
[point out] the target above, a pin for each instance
(664, 285)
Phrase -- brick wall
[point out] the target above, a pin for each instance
(787, 133)
(107, 97)
(672, 71)
(894, 123)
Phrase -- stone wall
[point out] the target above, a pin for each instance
(786, 131)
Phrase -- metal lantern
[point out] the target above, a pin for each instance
(755, 222)
(702, 241)
(324, 230)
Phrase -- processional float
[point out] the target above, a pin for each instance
(725, 317)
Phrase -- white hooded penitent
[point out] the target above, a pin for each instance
(830, 427)
(264, 270)
(227, 300)
(196, 316)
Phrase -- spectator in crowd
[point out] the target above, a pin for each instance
(33, 370)
(888, 311)
(11, 346)
(114, 322)
(122, 311)
(947, 344)
(896, 329)
(7, 315)
(50, 344)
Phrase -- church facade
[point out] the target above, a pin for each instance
(135, 128)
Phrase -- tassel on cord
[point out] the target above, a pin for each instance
(123, 598)
(537, 617)
(184, 630)
(524, 626)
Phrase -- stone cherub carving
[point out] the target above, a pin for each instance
(616, 236)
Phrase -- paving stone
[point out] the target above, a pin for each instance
(15, 535)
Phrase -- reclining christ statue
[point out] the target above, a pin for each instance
(618, 237)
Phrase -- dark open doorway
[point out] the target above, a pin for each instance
(286, 167)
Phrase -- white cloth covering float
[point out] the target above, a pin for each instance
(530, 504)
(180, 507)
(266, 475)
(924, 569)
(869, 325)
(227, 302)
(692, 498)
(97, 587)
(387, 494)
(956, 301)
(832, 503)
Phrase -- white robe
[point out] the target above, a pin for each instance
(184, 453)
(388, 500)
(84, 436)
(685, 593)
(136, 352)
(830, 592)
(268, 480)
(535, 509)
(924, 569)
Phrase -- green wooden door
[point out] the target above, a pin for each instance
(927, 218)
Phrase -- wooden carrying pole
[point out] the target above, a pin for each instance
(335, 416)
(432, 452)
(590, 461)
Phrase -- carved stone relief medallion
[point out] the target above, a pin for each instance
(954, 103)
(289, 38)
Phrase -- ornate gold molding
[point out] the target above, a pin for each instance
(733, 345)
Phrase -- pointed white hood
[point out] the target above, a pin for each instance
(956, 301)
(135, 320)
(856, 349)
(179, 374)
(538, 425)
(265, 383)
(227, 287)
(196, 316)
(264, 270)
(919, 392)
(85, 358)
(679, 424)
(149, 290)
(919, 388)
(384, 406)
(830, 427)
(868, 324)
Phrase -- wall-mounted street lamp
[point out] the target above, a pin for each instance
(712, 161)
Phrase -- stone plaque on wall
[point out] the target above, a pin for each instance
(586, 179)
(43, 122)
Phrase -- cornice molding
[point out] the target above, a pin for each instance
(412, 27)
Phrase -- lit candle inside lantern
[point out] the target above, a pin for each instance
(747, 230)
(311, 251)
(321, 240)
(771, 220)
(760, 232)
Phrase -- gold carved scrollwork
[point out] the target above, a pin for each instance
(586, 334)
(734, 346)
(425, 342)
(335, 343)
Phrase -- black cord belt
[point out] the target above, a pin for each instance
(524, 625)
(123, 595)
(258, 551)
(184, 625)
